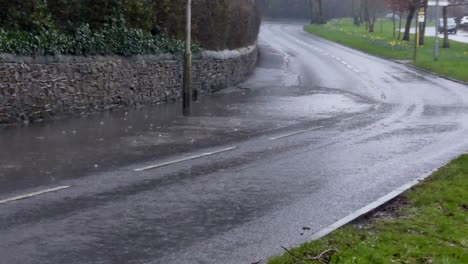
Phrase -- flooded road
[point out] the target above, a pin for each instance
(316, 133)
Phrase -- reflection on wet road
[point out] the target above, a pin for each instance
(318, 132)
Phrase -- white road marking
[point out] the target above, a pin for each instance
(151, 167)
(295, 133)
(25, 196)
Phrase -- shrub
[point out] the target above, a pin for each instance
(69, 14)
(221, 24)
(37, 27)
(23, 14)
(114, 38)
(140, 14)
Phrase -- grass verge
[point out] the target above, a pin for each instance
(453, 62)
(428, 224)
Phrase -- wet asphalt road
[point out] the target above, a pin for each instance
(318, 132)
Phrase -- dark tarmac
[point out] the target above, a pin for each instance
(316, 133)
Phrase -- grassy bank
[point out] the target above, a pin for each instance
(453, 61)
(428, 224)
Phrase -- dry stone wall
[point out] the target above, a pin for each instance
(34, 89)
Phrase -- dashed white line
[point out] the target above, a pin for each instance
(29, 195)
(295, 133)
(340, 60)
(164, 164)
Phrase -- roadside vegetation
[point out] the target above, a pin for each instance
(453, 61)
(123, 27)
(82, 27)
(113, 38)
(428, 224)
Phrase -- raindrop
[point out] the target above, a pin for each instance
(96, 166)
(64, 132)
(74, 132)
(102, 123)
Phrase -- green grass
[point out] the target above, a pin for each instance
(453, 62)
(432, 228)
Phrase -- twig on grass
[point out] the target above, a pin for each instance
(322, 258)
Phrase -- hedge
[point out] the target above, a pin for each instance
(113, 38)
(126, 27)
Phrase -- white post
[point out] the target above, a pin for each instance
(187, 89)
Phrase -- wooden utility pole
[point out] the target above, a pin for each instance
(187, 89)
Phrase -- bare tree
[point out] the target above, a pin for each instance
(413, 6)
(372, 8)
(422, 26)
(317, 12)
(357, 12)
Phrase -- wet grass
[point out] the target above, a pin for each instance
(453, 62)
(431, 228)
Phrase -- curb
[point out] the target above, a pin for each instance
(364, 210)
(431, 72)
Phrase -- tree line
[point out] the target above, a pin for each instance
(362, 11)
